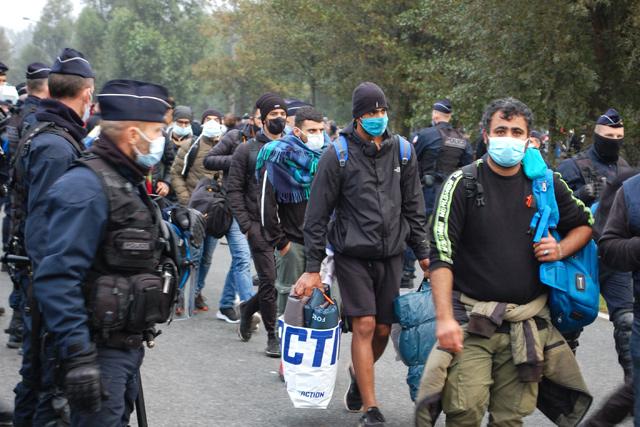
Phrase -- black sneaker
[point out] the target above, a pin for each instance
(352, 398)
(407, 280)
(228, 314)
(373, 417)
(273, 347)
(6, 414)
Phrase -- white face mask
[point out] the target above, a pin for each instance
(213, 129)
(156, 150)
(315, 141)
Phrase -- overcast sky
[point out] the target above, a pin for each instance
(13, 12)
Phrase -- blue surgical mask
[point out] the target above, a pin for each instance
(375, 126)
(182, 132)
(156, 150)
(506, 151)
(533, 163)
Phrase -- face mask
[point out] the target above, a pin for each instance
(608, 149)
(288, 129)
(212, 129)
(276, 126)
(156, 150)
(315, 142)
(375, 126)
(506, 151)
(182, 132)
(87, 113)
(533, 163)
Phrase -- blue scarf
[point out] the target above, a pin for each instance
(290, 166)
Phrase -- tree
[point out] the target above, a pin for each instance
(54, 30)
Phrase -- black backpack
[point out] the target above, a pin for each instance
(211, 200)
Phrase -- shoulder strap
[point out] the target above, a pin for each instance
(472, 188)
(405, 150)
(547, 215)
(342, 149)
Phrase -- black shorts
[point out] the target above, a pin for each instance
(369, 287)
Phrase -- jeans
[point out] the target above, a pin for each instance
(238, 280)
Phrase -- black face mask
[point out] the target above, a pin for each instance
(607, 149)
(276, 126)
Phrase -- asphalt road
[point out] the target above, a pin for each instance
(200, 374)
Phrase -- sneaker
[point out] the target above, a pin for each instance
(200, 303)
(273, 347)
(255, 281)
(352, 398)
(407, 280)
(228, 314)
(6, 414)
(373, 417)
(245, 326)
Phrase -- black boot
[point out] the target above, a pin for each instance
(6, 414)
(622, 322)
(15, 330)
(614, 410)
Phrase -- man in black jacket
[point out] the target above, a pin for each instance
(378, 207)
(242, 191)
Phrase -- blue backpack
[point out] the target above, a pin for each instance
(574, 294)
(342, 150)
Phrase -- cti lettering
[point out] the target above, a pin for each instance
(320, 336)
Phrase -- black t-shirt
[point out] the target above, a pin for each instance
(489, 248)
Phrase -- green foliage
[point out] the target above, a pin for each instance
(569, 61)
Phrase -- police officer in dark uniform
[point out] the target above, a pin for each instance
(45, 152)
(37, 88)
(105, 278)
(586, 174)
(440, 150)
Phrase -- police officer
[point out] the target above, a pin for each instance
(37, 88)
(105, 255)
(440, 150)
(586, 174)
(43, 155)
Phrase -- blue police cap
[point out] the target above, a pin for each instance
(293, 105)
(3, 68)
(21, 88)
(443, 105)
(37, 70)
(73, 62)
(132, 100)
(611, 118)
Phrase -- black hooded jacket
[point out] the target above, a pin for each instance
(378, 203)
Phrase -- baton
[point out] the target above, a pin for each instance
(14, 259)
(141, 411)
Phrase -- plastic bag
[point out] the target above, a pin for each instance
(310, 363)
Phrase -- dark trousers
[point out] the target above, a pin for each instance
(119, 370)
(265, 263)
(38, 401)
(617, 289)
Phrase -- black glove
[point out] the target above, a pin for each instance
(588, 193)
(82, 384)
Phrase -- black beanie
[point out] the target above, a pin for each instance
(269, 103)
(211, 112)
(366, 98)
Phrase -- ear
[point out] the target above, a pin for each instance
(485, 137)
(297, 132)
(132, 135)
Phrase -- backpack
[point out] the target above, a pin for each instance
(342, 150)
(574, 291)
(210, 199)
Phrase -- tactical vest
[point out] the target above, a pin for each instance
(19, 191)
(632, 201)
(451, 151)
(588, 172)
(132, 241)
(132, 285)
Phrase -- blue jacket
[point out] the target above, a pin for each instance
(48, 158)
(77, 211)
